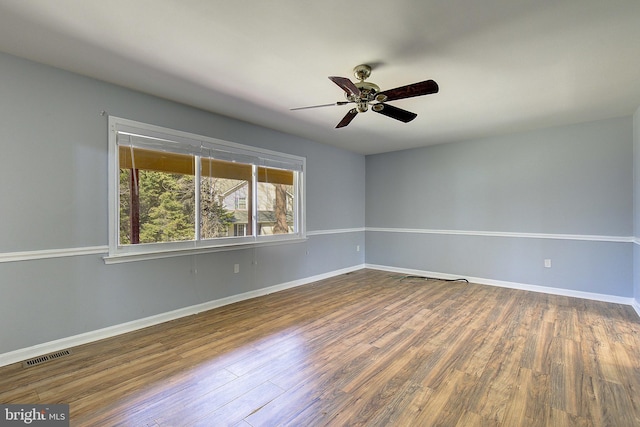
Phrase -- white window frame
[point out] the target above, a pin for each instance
(141, 251)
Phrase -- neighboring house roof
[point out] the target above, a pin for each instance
(239, 186)
(229, 191)
(264, 217)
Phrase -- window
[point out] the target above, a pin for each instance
(172, 191)
(241, 201)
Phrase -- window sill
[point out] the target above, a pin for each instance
(170, 253)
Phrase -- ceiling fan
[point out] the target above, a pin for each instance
(365, 94)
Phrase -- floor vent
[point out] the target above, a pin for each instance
(41, 359)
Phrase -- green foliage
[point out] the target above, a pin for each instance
(125, 207)
(169, 221)
(167, 208)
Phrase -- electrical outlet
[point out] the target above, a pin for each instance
(547, 263)
(357, 248)
(236, 268)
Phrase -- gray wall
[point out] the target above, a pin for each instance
(54, 196)
(636, 207)
(567, 181)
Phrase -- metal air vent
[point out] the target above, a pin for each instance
(41, 359)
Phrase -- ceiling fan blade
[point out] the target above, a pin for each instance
(322, 105)
(346, 85)
(426, 87)
(394, 112)
(347, 119)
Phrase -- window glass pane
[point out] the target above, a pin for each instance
(157, 196)
(225, 189)
(276, 201)
(156, 207)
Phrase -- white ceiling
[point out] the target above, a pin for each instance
(502, 65)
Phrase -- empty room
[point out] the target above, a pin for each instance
(320, 213)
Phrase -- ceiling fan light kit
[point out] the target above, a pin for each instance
(364, 94)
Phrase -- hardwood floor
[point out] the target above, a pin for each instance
(369, 348)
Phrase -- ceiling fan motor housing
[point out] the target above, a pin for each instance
(368, 90)
(368, 93)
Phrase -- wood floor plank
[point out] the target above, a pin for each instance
(238, 409)
(538, 404)
(367, 348)
(515, 412)
(434, 408)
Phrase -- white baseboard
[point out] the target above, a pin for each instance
(513, 285)
(636, 306)
(111, 331)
